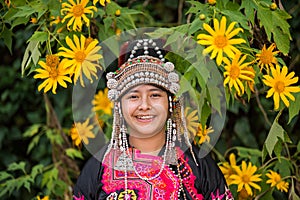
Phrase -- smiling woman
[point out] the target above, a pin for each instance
(150, 155)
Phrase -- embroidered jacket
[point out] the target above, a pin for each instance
(103, 178)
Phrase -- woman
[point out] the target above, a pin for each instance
(150, 155)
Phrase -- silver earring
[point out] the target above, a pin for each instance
(171, 139)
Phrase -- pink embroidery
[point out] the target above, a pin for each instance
(78, 198)
(163, 187)
(218, 196)
(166, 186)
(227, 194)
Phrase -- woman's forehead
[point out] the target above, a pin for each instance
(145, 87)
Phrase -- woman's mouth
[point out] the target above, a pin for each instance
(145, 117)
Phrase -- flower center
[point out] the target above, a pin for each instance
(220, 41)
(266, 57)
(279, 86)
(234, 72)
(53, 73)
(78, 10)
(80, 56)
(245, 179)
(52, 61)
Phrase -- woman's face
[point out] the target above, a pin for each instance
(145, 110)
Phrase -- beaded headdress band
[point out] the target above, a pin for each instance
(143, 69)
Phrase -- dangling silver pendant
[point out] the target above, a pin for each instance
(124, 163)
(172, 157)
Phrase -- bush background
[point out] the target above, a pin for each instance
(22, 105)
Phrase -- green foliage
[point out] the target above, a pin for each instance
(38, 156)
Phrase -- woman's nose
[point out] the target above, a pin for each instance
(145, 104)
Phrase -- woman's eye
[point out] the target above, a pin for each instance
(133, 97)
(156, 95)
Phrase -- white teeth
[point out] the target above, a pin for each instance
(145, 117)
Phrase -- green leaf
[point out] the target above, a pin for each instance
(54, 136)
(266, 21)
(7, 35)
(284, 167)
(24, 11)
(17, 166)
(272, 138)
(19, 20)
(245, 152)
(33, 143)
(160, 32)
(175, 36)
(4, 175)
(32, 53)
(74, 153)
(37, 169)
(32, 130)
(294, 107)
(196, 7)
(195, 26)
(278, 149)
(4, 191)
(49, 177)
(275, 22)
(107, 23)
(249, 7)
(292, 193)
(282, 40)
(39, 36)
(236, 16)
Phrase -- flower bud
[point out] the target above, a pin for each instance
(273, 6)
(202, 17)
(118, 12)
(212, 2)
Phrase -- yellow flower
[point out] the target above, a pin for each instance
(245, 177)
(82, 132)
(267, 57)
(280, 82)
(128, 194)
(250, 84)
(75, 136)
(44, 198)
(220, 40)
(118, 12)
(102, 2)
(52, 60)
(275, 180)
(54, 73)
(55, 20)
(118, 32)
(77, 12)
(82, 58)
(203, 134)
(102, 103)
(191, 120)
(236, 71)
(228, 168)
(212, 2)
(273, 6)
(33, 20)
